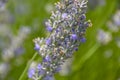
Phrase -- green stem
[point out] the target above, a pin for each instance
(26, 68)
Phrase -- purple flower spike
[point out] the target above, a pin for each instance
(83, 40)
(48, 26)
(31, 72)
(74, 37)
(67, 26)
(37, 47)
(48, 41)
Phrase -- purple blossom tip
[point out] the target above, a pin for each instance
(48, 41)
(31, 72)
(64, 15)
(49, 28)
(40, 69)
(83, 40)
(76, 49)
(37, 47)
(83, 17)
(74, 37)
(39, 66)
(47, 58)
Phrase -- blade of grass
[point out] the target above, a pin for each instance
(24, 75)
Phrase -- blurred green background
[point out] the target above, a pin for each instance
(97, 59)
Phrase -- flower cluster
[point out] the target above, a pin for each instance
(67, 26)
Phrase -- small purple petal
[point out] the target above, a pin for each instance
(83, 40)
(48, 78)
(83, 17)
(57, 30)
(37, 47)
(49, 28)
(48, 41)
(40, 70)
(76, 49)
(74, 36)
(31, 72)
(64, 15)
(47, 58)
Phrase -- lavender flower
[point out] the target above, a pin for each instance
(67, 26)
